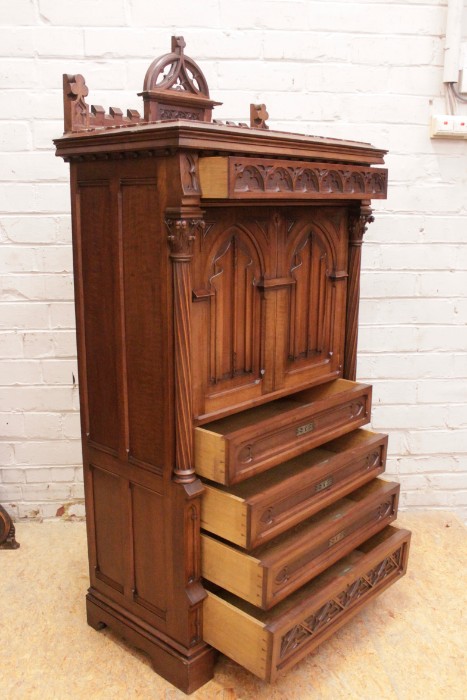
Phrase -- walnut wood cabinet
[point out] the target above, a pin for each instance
(217, 288)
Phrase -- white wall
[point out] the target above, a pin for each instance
(368, 71)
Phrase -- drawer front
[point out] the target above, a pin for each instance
(252, 456)
(342, 473)
(264, 507)
(270, 573)
(267, 643)
(238, 454)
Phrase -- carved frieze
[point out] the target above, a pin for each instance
(253, 177)
(300, 633)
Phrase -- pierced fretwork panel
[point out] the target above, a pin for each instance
(235, 317)
(311, 300)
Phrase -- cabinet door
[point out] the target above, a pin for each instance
(228, 310)
(311, 307)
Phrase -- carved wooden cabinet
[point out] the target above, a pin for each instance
(230, 488)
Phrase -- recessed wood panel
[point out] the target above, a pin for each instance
(145, 328)
(98, 259)
(149, 549)
(109, 509)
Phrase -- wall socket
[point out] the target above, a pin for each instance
(448, 126)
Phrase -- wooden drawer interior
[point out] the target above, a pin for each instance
(274, 570)
(242, 445)
(268, 642)
(254, 511)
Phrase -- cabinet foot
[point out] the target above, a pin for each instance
(188, 673)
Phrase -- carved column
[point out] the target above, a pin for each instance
(358, 224)
(181, 236)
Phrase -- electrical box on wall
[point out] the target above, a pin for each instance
(448, 126)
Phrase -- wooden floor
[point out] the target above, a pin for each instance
(408, 644)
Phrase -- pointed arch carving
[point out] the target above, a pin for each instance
(233, 272)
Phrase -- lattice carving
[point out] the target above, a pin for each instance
(304, 631)
(263, 176)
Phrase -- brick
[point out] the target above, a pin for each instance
(409, 417)
(77, 491)
(449, 283)
(388, 284)
(13, 476)
(11, 425)
(32, 167)
(59, 452)
(62, 315)
(147, 14)
(449, 481)
(437, 441)
(59, 371)
(457, 416)
(20, 372)
(442, 337)
(11, 344)
(51, 197)
(445, 390)
(59, 286)
(84, 13)
(71, 425)
(394, 50)
(17, 13)
(55, 259)
(63, 474)
(37, 398)
(15, 136)
(18, 259)
(45, 131)
(407, 311)
(321, 47)
(377, 18)
(372, 339)
(23, 287)
(408, 365)
(30, 229)
(17, 197)
(427, 499)
(18, 73)
(43, 425)
(10, 492)
(427, 464)
(396, 391)
(45, 492)
(50, 344)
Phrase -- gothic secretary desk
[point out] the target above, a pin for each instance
(231, 493)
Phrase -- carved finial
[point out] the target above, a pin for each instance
(175, 87)
(178, 44)
(258, 116)
(76, 111)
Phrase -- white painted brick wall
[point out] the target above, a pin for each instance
(368, 70)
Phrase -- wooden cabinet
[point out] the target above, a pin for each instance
(230, 489)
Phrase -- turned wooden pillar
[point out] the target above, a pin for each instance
(181, 236)
(358, 224)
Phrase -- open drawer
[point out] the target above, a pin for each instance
(267, 643)
(273, 571)
(263, 507)
(238, 447)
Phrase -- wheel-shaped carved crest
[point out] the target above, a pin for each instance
(175, 71)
